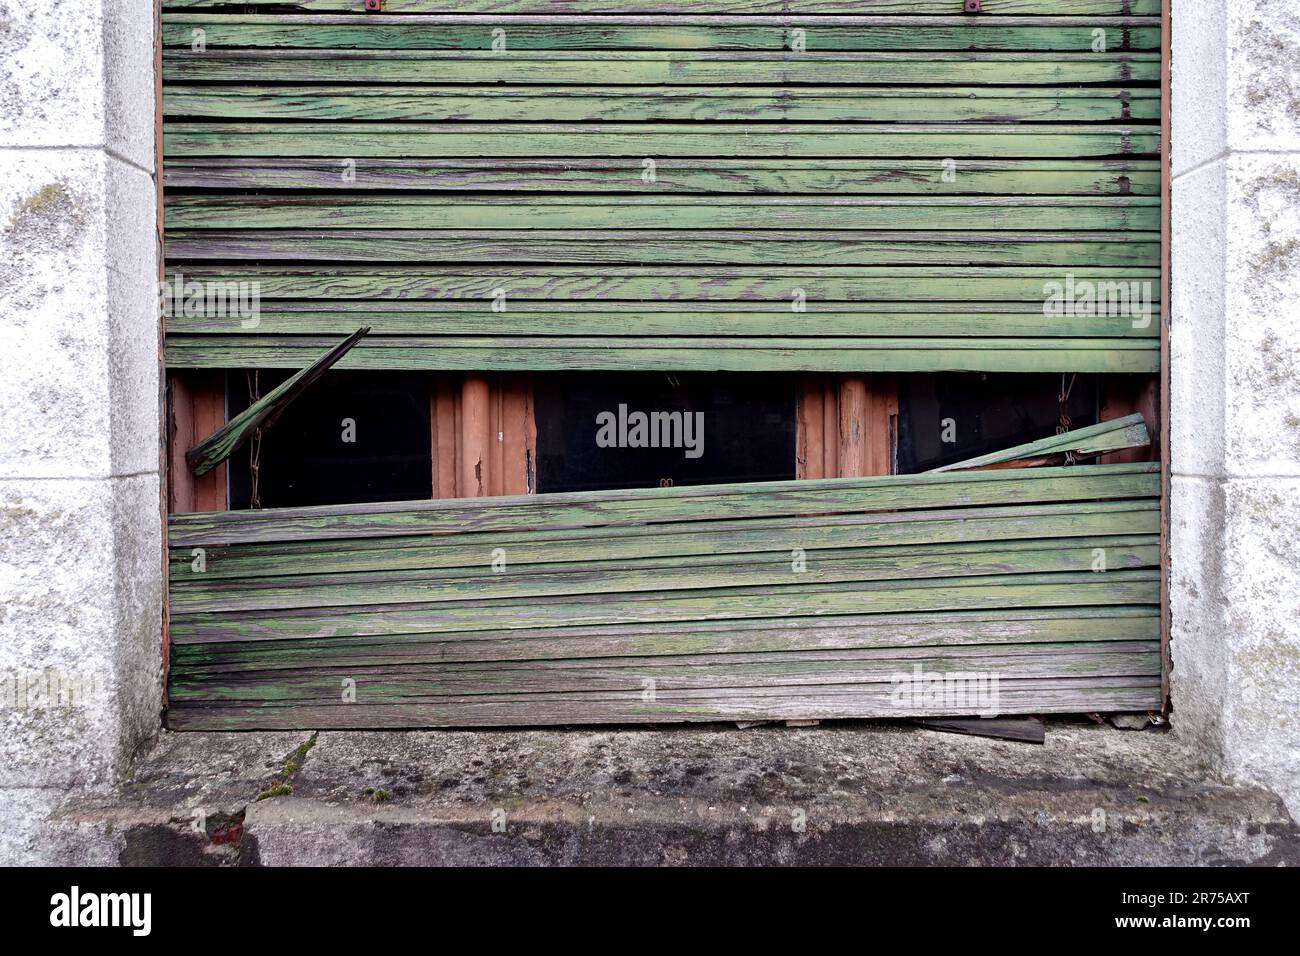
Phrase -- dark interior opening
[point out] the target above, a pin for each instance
(353, 436)
(947, 418)
(720, 428)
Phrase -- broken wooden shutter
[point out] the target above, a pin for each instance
(889, 185)
(802, 599)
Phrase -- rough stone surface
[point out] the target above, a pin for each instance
(1235, 358)
(80, 525)
(839, 794)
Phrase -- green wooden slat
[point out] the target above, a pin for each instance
(1115, 435)
(636, 506)
(816, 535)
(533, 140)
(696, 104)
(673, 68)
(1028, 355)
(581, 676)
(701, 7)
(1001, 630)
(1140, 177)
(752, 32)
(309, 590)
(655, 320)
(937, 594)
(261, 414)
(713, 247)
(657, 283)
(659, 212)
(1032, 697)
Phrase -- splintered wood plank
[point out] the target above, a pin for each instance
(1091, 441)
(637, 506)
(262, 414)
(745, 540)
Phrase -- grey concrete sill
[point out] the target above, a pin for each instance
(842, 793)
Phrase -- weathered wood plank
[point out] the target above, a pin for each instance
(753, 32)
(495, 103)
(678, 140)
(937, 594)
(1031, 696)
(222, 213)
(262, 414)
(951, 283)
(747, 540)
(1003, 629)
(637, 506)
(584, 320)
(1127, 432)
(829, 355)
(308, 590)
(655, 67)
(700, 7)
(1057, 177)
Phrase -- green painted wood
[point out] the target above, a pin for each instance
(556, 355)
(812, 669)
(937, 594)
(1129, 431)
(700, 7)
(1005, 630)
(646, 67)
(748, 540)
(655, 320)
(980, 104)
(751, 32)
(951, 283)
(638, 506)
(1031, 696)
(659, 212)
(711, 247)
(449, 140)
(1105, 177)
(313, 591)
(262, 414)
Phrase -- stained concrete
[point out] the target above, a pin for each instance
(1235, 394)
(836, 794)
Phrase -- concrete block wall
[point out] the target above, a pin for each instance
(80, 533)
(1235, 430)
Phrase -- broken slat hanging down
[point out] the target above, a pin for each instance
(748, 185)
(1114, 435)
(262, 414)
(862, 597)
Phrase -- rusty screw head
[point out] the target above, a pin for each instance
(373, 5)
(972, 6)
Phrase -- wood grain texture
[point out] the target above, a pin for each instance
(799, 598)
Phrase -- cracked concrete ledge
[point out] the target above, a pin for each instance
(839, 794)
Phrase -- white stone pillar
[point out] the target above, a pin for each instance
(1235, 354)
(80, 532)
